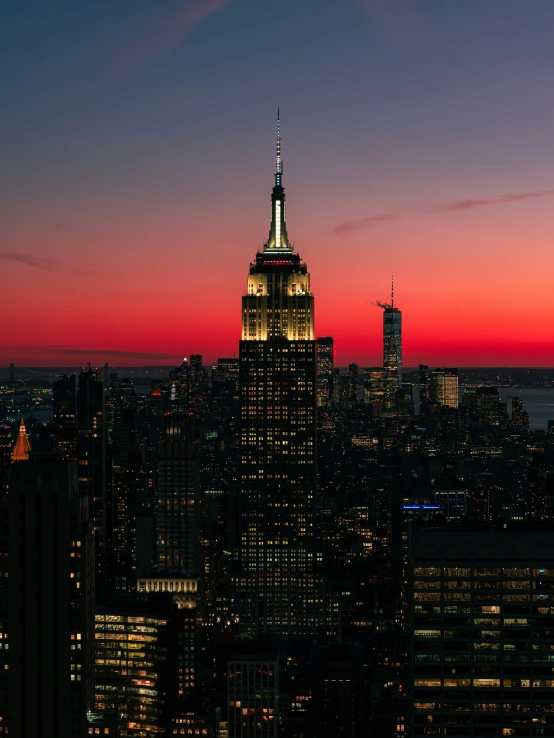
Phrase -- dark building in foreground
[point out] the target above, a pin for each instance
(93, 472)
(277, 472)
(48, 605)
(253, 694)
(481, 608)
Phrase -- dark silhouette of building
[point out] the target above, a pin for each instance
(325, 365)
(178, 508)
(64, 392)
(424, 390)
(48, 604)
(94, 473)
(352, 384)
(253, 697)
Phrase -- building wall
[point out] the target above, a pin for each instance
(481, 610)
(50, 602)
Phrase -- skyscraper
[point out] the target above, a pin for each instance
(353, 378)
(46, 602)
(253, 683)
(444, 387)
(277, 473)
(392, 341)
(325, 361)
(178, 511)
(92, 465)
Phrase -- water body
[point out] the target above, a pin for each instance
(537, 401)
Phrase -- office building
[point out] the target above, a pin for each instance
(253, 697)
(485, 406)
(277, 472)
(64, 392)
(178, 508)
(47, 602)
(481, 639)
(424, 390)
(520, 418)
(136, 665)
(185, 594)
(352, 384)
(325, 365)
(443, 387)
(93, 472)
(378, 388)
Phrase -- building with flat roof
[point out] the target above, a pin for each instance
(481, 614)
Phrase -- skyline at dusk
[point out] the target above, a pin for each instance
(138, 142)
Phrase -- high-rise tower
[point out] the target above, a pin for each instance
(277, 375)
(392, 341)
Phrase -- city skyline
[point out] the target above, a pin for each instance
(140, 175)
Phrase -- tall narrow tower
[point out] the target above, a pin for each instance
(392, 341)
(277, 376)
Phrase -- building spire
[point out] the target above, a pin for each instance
(279, 163)
(392, 292)
(22, 445)
(278, 237)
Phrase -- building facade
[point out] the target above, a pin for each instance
(178, 511)
(47, 607)
(481, 611)
(253, 694)
(325, 365)
(444, 387)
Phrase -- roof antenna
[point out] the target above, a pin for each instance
(392, 291)
(279, 164)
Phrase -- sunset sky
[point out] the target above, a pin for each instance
(137, 149)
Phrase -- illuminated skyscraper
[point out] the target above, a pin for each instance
(444, 387)
(277, 377)
(392, 341)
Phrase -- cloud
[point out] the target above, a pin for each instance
(460, 205)
(44, 263)
(352, 226)
(168, 33)
(349, 228)
(107, 353)
(49, 265)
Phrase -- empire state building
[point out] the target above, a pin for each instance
(276, 586)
